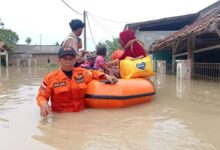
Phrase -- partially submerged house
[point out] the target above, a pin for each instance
(151, 31)
(29, 55)
(197, 40)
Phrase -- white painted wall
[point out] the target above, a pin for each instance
(148, 37)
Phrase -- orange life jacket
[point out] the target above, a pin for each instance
(66, 95)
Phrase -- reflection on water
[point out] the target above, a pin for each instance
(4, 75)
(182, 87)
(183, 115)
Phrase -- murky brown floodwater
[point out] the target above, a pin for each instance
(183, 115)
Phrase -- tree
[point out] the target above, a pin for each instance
(57, 44)
(9, 37)
(28, 40)
(111, 46)
(2, 23)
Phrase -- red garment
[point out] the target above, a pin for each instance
(126, 37)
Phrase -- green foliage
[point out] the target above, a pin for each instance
(9, 37)
(111, 46)
(28, 40)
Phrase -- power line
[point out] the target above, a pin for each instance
(90, 30)
(115, 21)
(104, 27)
(101, 25)
(110, 20)
(71, 8)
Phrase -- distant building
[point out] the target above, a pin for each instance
(28, 55)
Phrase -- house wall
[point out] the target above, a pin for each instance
(41, 59)
(162, 55)
(13, 59)
(148, 37)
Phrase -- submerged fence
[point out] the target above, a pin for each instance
(209, 71)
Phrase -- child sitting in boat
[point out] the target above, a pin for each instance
(100, 57)
(100, 61)
(97, 62)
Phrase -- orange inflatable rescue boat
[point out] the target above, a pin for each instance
(125, 92)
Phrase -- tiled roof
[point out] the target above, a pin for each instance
(203, 23)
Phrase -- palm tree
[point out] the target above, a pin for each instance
(28, 40)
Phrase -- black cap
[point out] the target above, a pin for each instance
(76, 24)
(66, 51)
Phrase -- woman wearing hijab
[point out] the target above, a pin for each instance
(133, 47)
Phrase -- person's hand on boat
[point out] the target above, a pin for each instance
(45, 109)
(111, 79)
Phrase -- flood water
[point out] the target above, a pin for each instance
(184, 115)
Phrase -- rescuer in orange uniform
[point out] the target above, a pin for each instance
(66, 86)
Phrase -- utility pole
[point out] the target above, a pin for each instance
(84, 20)
(40, 41)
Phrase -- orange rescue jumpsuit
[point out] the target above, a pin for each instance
(66, 95)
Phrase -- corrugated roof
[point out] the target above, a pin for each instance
(163, 24)
(37, 49)
(204, 23)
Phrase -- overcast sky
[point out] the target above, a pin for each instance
(50, 18)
